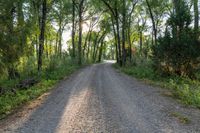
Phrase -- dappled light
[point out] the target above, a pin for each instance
(73, 65)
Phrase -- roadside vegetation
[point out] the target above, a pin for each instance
(184, 89)
(42, 41)
(18, 91)
(171, 59)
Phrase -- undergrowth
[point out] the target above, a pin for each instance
(183, 89)
(55, 71)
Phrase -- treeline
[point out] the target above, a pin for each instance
(167, 32)
(162, 35)
(43, 41)
(27, 33)
(31, 35)
(32, 32)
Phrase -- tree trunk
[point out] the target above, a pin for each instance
(196, 17)
(100, 51)
(88, 51)
(37, 46)
(11, 69)
(95, 47)
(124, 33)
(86, 40)
(99, 41)
(46, 47)
(80, 33)
(50, 48)
(129, 42)
(153, 22)
(115, 35)
(141, 43)
(42, 31)
(60, 40)
(73, 29)
(118, 37)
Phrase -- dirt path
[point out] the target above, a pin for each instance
(99, 99)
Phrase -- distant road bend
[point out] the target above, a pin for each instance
(99, 99)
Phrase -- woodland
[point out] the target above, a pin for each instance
(43, 41)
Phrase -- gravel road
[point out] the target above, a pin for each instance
(99, 99)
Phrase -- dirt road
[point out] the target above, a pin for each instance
(98, 99)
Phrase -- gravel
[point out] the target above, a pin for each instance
(99, 99)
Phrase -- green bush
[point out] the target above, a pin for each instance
(178, 51)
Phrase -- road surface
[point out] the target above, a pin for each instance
(99, 99)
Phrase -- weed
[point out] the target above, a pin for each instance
(180, 117)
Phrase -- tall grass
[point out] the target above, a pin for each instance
(183, 89)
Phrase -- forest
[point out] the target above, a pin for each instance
(43, 41)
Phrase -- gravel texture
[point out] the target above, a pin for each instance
(99, 99)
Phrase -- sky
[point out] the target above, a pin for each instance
(67, 34)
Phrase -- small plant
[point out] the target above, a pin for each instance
(180, 117)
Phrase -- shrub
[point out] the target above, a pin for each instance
(178, 51)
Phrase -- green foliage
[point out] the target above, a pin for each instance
(177, 52)
(141, 68)
(10, 101)
(14, 31)
(183, 89)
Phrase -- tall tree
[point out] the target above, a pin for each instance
(42, 32)
(196, 17)
(80, 13)
(114, 11)
(153, 21)
(73, 27)
(124, 32)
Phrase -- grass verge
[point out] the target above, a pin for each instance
(10, 101)
(185, 90)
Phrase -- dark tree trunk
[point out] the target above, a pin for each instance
(42, 31)
(119, 40)
(11, 69)
(60, 39)
(153, 22)
(129, 42)
(115, 35)
(100, 51)
(47, 48)
(124, 33)
(95, 47)
(73, 29)
(80, 32)
(196, 17)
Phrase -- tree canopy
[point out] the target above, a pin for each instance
(167, 31)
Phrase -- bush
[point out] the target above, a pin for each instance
(178, 51)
